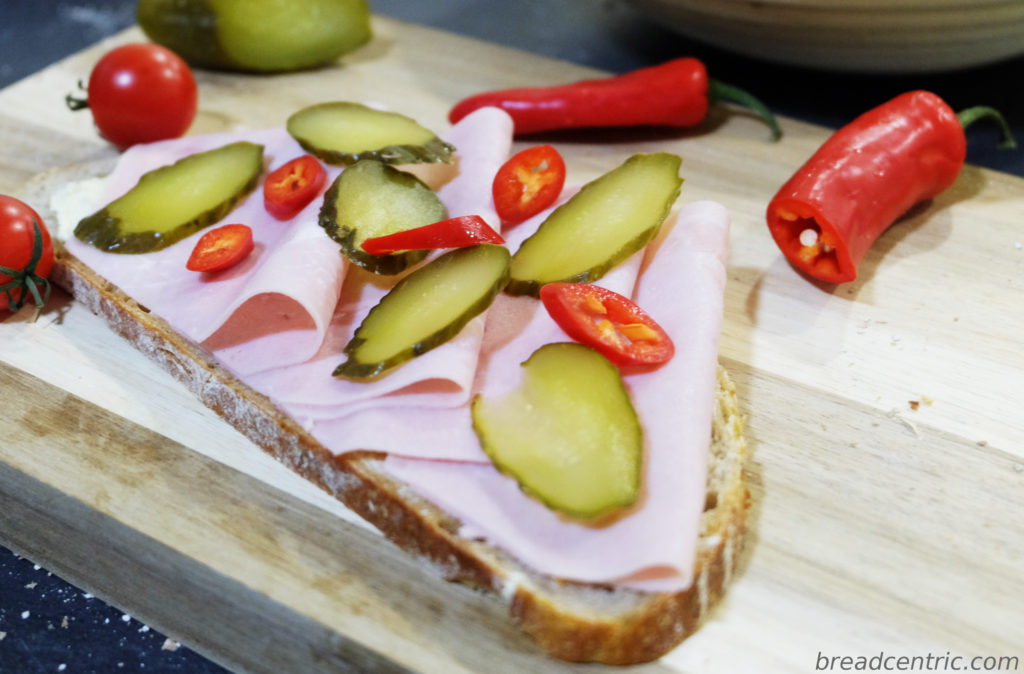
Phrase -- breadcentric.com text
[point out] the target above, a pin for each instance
(884, 662)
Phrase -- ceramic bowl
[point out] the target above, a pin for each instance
(854, 35)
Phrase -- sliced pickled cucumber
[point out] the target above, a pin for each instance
(426, 309)
(568, 435)
(371, 199)
(256, 35)
(342, 133)
(173, 202)
(611, 218)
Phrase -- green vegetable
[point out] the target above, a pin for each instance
(173, 202)
(256, 35)
(608, 220)
(569, 435)
(426, 309)
(371, 199)
(342, 133)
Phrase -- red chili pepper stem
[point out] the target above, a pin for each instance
(971, 115)
(719, 91)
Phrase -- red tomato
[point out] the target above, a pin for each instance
(528, 183)
(139, 93)
(610, 323)
(22, 266)
(221, 248)
(460, 232)
(291, 187)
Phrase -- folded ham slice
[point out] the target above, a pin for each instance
(682, 286)
(262, 293)
(443, 376)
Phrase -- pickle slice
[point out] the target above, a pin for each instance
(608, 220)
(371, 199)
(568, 435)
(426, 309)
(256, 35)
(173, 202)
(342, 133)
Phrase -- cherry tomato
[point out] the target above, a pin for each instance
(528, 183)
(140, 93)
(291, 187)
(221, 248)
(610, 323)
(460, 232)
(26, 256)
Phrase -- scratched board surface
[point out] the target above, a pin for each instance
(887, 463)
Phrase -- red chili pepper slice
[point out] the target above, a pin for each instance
(221, 248)
(676, 93)
(460, 232)
(292, 186)
(864, 177)
(610, 323)
(528, 182)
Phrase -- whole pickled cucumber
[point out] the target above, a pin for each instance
(256, 35)
(342, 133)
(608, 220)
(173, 202)
(426, 309)
(371, 199)
(569, 435)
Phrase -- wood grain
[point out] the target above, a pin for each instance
(884, 415)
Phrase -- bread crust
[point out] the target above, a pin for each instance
(571, 621)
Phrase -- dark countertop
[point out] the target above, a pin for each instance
(47, 625)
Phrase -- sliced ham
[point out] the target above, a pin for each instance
(264, 289)
(683, 288)
(283, 333)
(442, 377)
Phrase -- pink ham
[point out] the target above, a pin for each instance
(441, 378)
(682, 286)
(284, 306)
(282, 333)
(431, 429)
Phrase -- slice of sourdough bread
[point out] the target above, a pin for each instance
(569, 620)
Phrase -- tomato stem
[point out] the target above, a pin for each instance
(76, 104)
(971, 115)
(27, 279)
(719, 91)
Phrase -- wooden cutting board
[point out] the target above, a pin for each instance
(885, 422)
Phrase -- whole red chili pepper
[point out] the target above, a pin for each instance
(865, 176)
(676, 93)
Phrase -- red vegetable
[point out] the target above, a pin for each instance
(291, 187)
(676, 93)
(139, 93)
(528, 183)
(865, 176)
(26, 255)
(610, 323)
(221, 248)
(461, 232)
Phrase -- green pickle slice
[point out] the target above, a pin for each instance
(256, 35)
(173, 202)
(568, 435)
(370, 199)
(608, 220)
(341, 133)
(425, 309)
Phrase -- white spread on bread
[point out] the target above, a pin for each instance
(277, 323)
